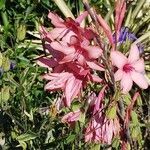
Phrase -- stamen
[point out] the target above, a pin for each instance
(127, 68)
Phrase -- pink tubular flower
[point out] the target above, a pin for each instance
(70, 83)
(71, 117)
(129, 69)
(63, 28)
(83, 53)
(66, 82)
(100, 129)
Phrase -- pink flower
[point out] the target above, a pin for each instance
(64, 29)
(66, 82)
(129, 69)
(83, 53)
(71, 117)
(100, 129)
(71, 84)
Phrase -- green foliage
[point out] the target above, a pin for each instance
(111, 113)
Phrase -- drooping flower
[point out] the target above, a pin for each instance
(100, 129)
(129, 69)
(71, 117)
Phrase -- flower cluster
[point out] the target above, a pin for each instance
(73, 59)
(77, 56)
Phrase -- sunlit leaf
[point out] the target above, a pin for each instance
(116, 143)
(21, 32)
(134, 117)
(5, 94)
(111, 112)
(70, 138)
(6, 64)
(22, 144)
(26, 137)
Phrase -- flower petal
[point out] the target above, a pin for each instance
(134, 54)
(58, 80)
(67, 58)
(105, 27)
(118, 75)
(47, 62)
(71, 117)
(72, 89)
(62, 48)
(93, 51)
(81, 17)
(94, 65)
(118, 59)
(56, 20)
(68, 35)
(45, 34)
(58, 33)
(139, 79)
(139, 65)
(96, 78)
(126, 82)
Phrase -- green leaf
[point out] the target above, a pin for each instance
(95, 147)
(26, 137)
(2, 4)
(5, 94)
(13, 135)
(127, 99)
(116, 143)
(135, 132)
(70, 138)
(134, 117)
(6, 64)
(64, 8)
(21, 32)
(76, 105)
(23, 145)
(82, 118)
(111, 113)
(1, 57)
(139, 101)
